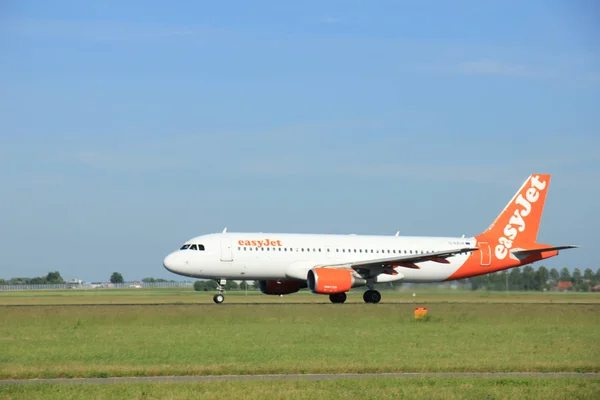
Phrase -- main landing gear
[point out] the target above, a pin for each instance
(219, 298)
(337, 298)
(372, 296)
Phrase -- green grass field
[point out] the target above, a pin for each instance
(193, 338)
(373, 388)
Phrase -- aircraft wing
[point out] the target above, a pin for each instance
(407, 261)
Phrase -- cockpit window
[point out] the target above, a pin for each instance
(192, 247)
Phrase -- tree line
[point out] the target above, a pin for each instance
(50, 279)
(521, 278)
(542, 279)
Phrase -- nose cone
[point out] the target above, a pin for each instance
(171, 263)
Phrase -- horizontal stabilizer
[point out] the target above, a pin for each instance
(522, 253)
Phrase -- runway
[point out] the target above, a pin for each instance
(317, 377)
(293, 304)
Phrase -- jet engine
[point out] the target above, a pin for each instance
(332, 280)
(280, 286)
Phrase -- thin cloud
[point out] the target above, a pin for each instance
(125, 161)
(487, 67)
(499, 68)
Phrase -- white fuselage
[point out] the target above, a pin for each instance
(257, 256)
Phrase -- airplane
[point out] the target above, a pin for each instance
(329, 264)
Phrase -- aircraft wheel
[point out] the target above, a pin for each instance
(218, 298)
(337, 298)
(372, 296)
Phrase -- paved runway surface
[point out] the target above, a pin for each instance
(289, 304)
(156, 379)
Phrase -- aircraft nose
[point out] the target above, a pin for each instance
(170, 262)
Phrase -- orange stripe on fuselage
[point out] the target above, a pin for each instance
(473, 264)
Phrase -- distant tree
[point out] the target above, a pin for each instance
(18, 281)
(502, 280)
(565, 275)
(3, 282)
(588, 279)
(515, 279)
(577, 279)
(116, 277)
(38, 280)
(528, 278)
(244, 285)
(148, 280)
(478, 282)
(541, 278)
(554, 275)
(198, 286)
(231, 285)
(210, 285)
(54, 277)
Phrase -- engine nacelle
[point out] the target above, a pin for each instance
(332, 280)
(282, 286)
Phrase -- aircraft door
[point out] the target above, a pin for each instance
(486, 255)
(226, 254)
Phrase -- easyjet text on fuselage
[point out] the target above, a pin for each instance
(260, 243)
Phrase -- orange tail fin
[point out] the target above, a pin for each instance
(518, 224)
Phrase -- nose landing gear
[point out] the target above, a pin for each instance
(219, 298)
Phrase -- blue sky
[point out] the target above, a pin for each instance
(127, 127)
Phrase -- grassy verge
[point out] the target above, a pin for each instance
(423, 294)
(104, 341)
(371, 388)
